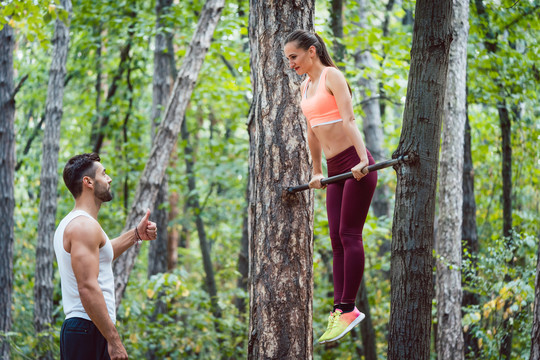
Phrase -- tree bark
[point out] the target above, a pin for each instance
(154, 171)
(367, 331)
(43, 287)
(448, 245)
(157, 254)
(98, 135)
(336, 23)
(469, 233)
(280, 225)
(372, 123)
(158, 257)
(7, 169)
(506, 172)
(412, 233)
(535, 334)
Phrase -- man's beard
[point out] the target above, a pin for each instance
(102, 193)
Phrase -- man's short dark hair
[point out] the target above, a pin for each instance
(77, 168)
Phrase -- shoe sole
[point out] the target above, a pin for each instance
(349, 328)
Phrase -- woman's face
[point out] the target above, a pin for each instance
(299, 59)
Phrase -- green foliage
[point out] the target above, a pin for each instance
(487, 275)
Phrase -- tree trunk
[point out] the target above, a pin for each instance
(366, 326)
(371, 120)
(412, 233)
(158, 257)
(154, 171)
(535, 334)
(243, 264)
(336, 23)
(448, 245)
(469, 233)
(99, 74)
(506, 173)
(7, 169)
(280, 225)
(173, 233)
(98, 135)
(43, 287)
(157, 254)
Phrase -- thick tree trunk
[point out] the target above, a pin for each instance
(412, 233)
(7, 169)
(280, 225)
(43, 287)
(535, 334)
(154, 171)
(448, 245)
(469, 233)
(372, 124)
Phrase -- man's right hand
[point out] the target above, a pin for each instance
(315, 182)
(117, 351)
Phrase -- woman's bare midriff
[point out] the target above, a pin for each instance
(333, 138)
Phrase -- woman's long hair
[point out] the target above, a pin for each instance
(305, 39)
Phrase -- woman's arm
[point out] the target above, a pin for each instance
(337, 85)
(315, 149)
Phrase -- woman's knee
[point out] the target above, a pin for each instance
(350, 239)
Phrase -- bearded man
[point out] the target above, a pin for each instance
(85, 255)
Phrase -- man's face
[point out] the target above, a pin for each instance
(102, 188)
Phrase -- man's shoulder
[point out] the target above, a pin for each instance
(84, 228)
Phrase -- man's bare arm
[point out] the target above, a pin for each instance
(86, 238)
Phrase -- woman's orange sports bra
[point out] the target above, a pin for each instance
(321, 108)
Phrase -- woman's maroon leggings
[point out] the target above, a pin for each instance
(347, 205)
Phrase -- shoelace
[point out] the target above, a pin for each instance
(336, 315)
(330, 321)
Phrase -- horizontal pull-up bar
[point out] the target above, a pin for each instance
(333, 179)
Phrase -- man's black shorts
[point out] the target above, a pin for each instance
(80, 339)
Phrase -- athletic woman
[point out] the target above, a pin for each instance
(327, 105)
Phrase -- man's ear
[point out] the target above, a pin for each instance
(87, 181)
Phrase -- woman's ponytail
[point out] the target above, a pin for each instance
(324, 56)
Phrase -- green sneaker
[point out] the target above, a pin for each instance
(343, 323)
(324, 338)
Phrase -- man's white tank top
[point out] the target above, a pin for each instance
(71, 299)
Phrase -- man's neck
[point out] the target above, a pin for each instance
(88, 205)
